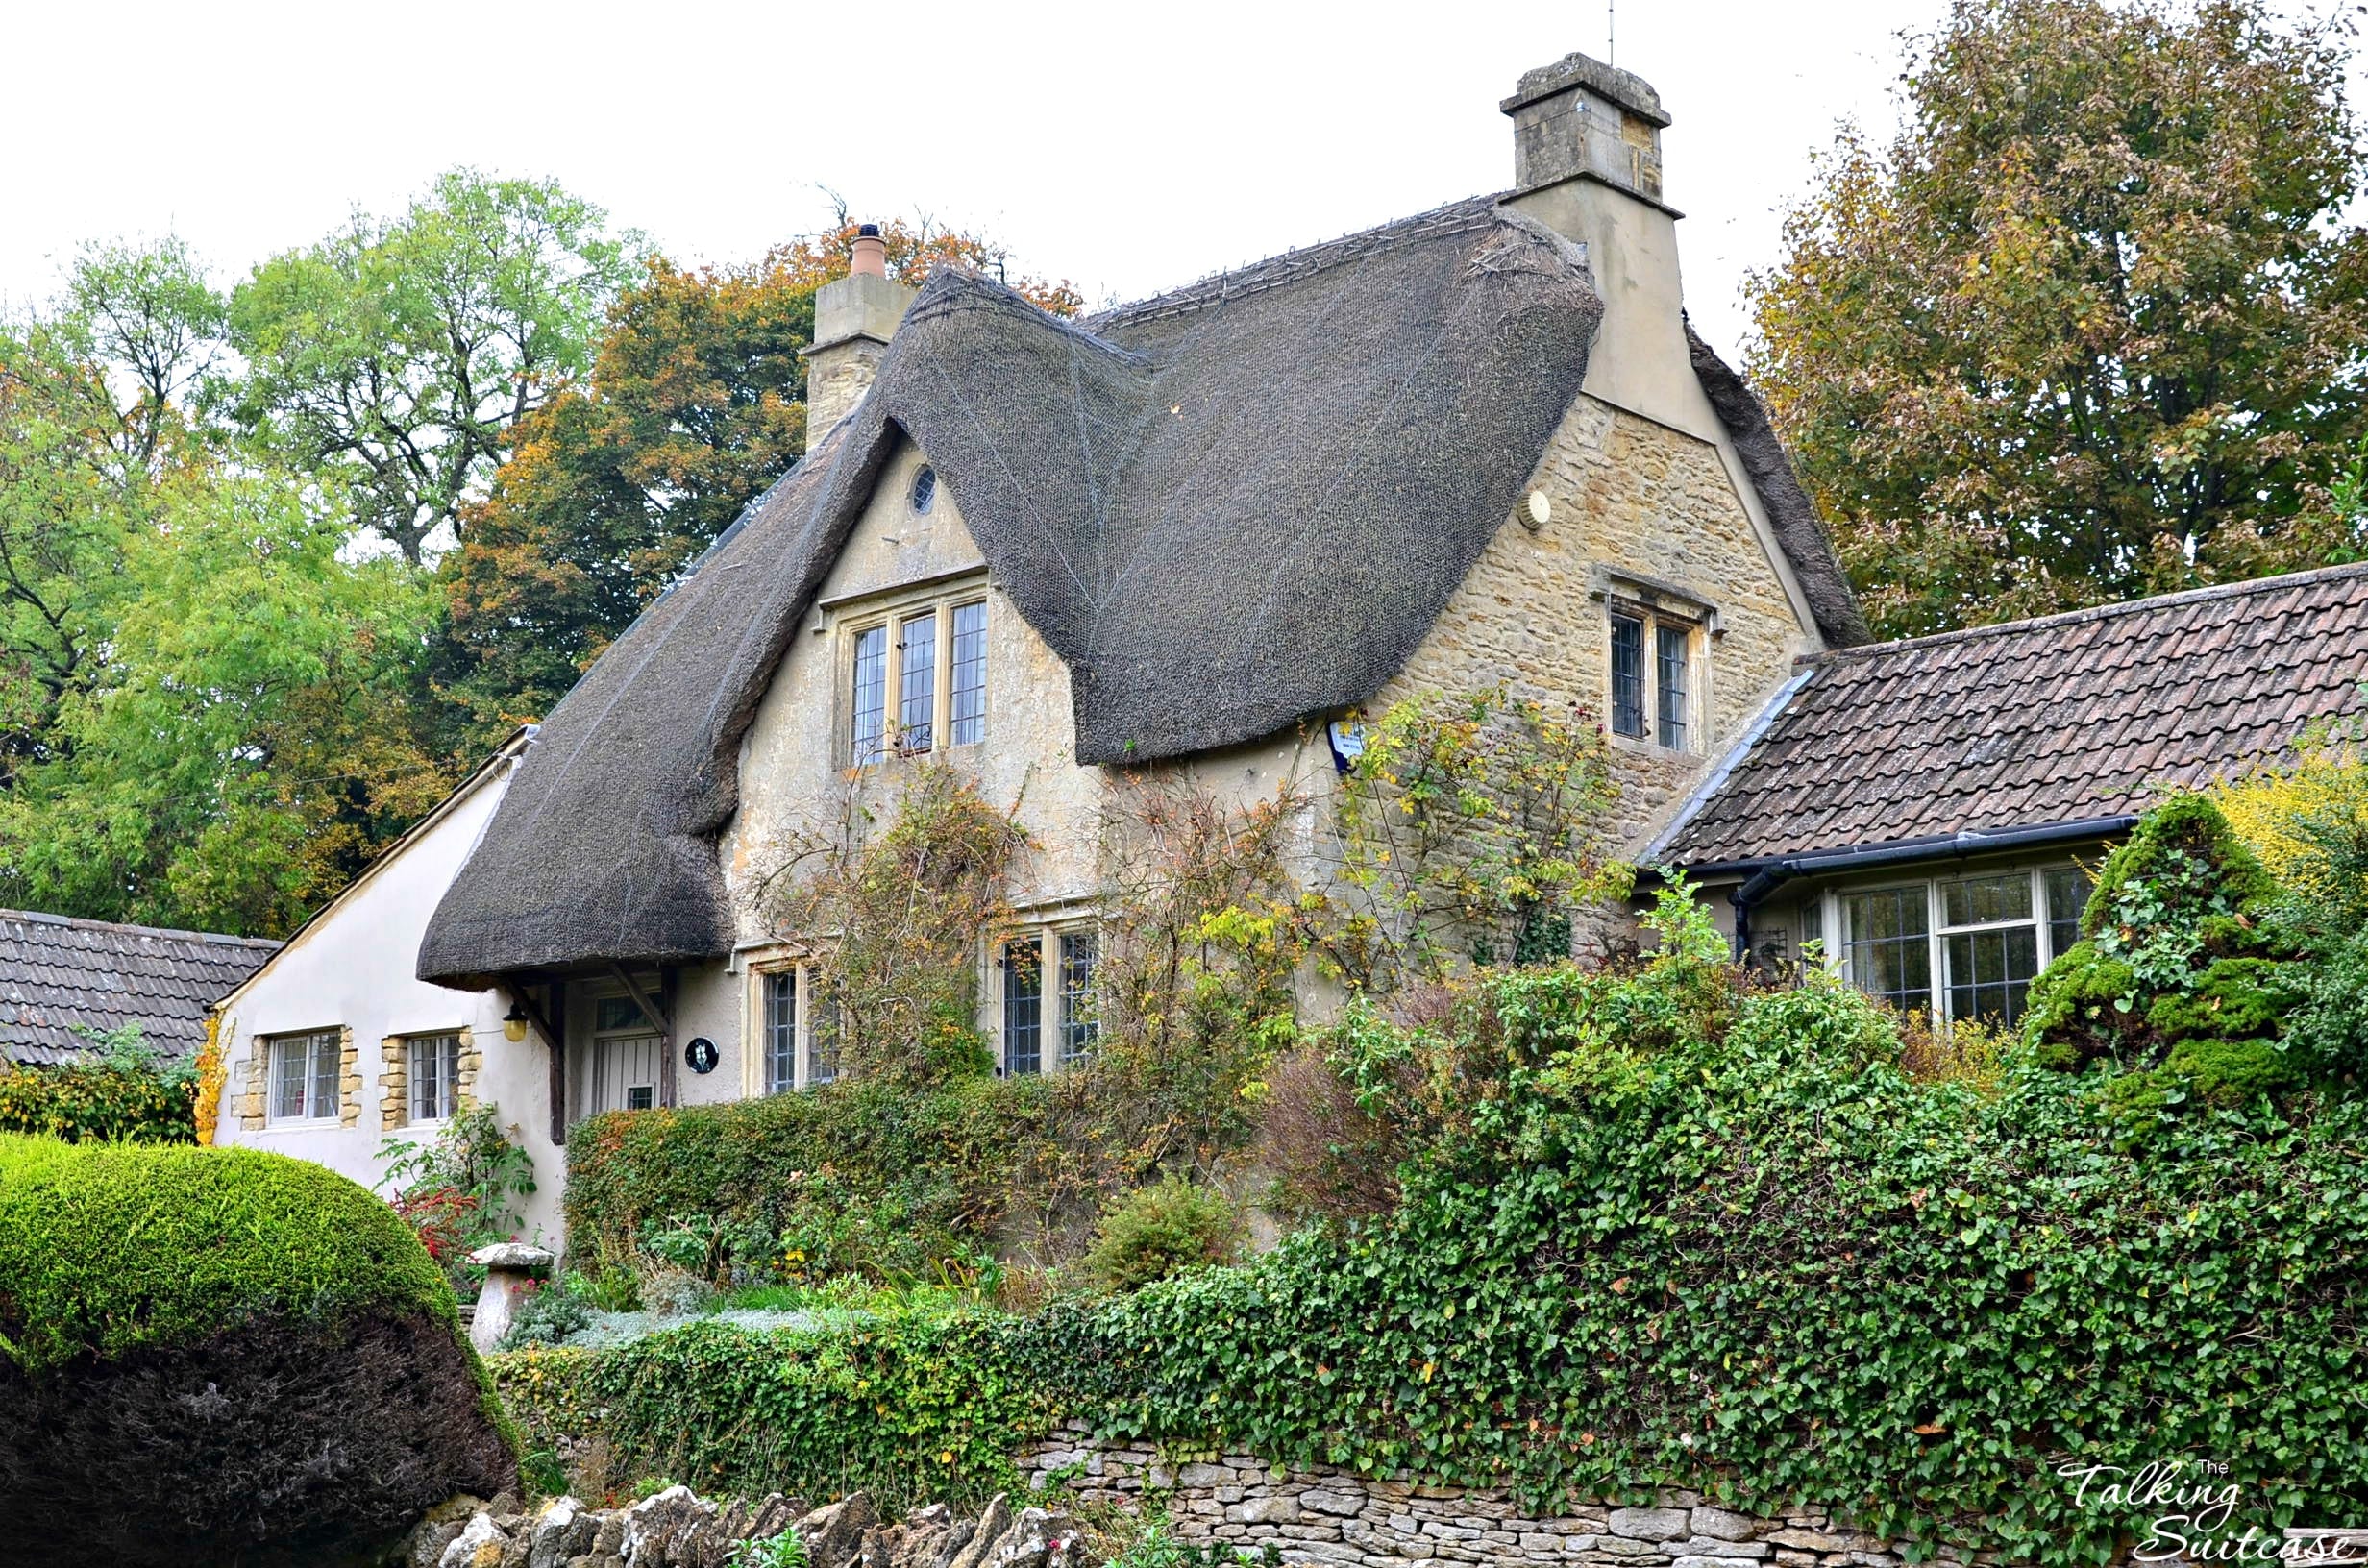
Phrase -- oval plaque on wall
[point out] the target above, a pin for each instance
(700, 1055)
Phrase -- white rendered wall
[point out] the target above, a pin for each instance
(353, 968)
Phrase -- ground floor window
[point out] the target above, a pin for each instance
(780, 1026)
(1047, 989)
(1024, 1006)
(1967, 946)
(435, 1069)
(305, 1069)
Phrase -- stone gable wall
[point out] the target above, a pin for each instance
(1624, 494)
(1326, 1516)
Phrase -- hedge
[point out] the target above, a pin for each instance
(1750, 1257)
(222, 1353)
(82, 1101)
(855, 1176)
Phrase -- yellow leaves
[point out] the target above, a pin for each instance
(1429, 1367)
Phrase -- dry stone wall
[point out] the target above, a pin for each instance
(1329, 1516)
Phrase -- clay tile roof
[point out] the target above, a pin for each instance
(57, 973)
(2064, 719)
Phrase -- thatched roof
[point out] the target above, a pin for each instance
(1226, 509)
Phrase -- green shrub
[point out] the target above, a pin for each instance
(1159, 1229)
(877, 1178)
(551, 1310)
(911, 1406)
(1683, 1234)
(223, 1353)
(787, 1550)
(125, 1092)
(2192, 964)
(459, 1190)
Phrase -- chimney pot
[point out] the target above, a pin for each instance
(871, 258)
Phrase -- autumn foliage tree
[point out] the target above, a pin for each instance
(695, 405)
(2092, 325)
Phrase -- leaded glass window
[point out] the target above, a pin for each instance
(304, 1070)
(1024, 1003)
(780, 1031)
(1991, 946)
(969, 721)
(1890, 945)
(1080, 952)
(917, 682)
(436, 1074)
(871, 691)
(2067, 895)
(1671, 647)
(1627, 675)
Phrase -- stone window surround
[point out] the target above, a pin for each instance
(255, 1109)
(1043, 926)
(395, 1075)
(1658, 603)
(757, 963)
(849, 616)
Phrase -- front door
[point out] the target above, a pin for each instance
(621, 1073)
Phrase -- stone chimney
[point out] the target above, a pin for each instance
(854, 318)
(1581, 118)
(1587, 164)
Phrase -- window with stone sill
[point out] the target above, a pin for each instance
(433, 1063)
(918, 678)
(305, 1070)
(797, 1026)
(1045, 981)
(1653, 656)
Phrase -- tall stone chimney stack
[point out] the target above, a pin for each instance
(1587, 164)
(1581, 117)
(854, 316)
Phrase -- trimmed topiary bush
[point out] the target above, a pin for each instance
(220, 1354)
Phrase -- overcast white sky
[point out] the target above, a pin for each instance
(1127, 147)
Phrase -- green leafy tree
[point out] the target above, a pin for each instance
(73, 495)
(151, 314)
(251, 745)
(396, 355)
(2092, 325)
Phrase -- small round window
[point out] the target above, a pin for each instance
(925, 489)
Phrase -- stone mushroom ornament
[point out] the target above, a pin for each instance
(510, 1267)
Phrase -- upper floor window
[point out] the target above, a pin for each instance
(919, 676)
(917, 682)
(924, 488)
(870, 691)
(305, 1072)
(1652, 679)
(435, 1069)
